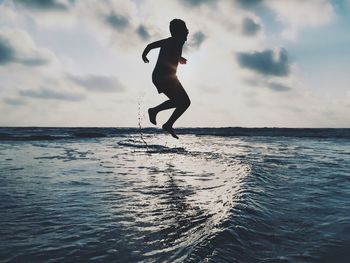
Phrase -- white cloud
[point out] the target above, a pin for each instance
(8, 14)
(299, 14)
(115, 24)
(20, 48)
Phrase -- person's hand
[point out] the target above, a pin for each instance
(182, 60)
(145, 59)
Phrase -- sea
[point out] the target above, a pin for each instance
(139, 195)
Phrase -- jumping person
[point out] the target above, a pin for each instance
(164, 74)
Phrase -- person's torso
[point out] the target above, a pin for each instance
(168, 58)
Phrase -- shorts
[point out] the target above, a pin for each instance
(170, 86)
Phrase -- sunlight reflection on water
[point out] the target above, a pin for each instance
(185, 197)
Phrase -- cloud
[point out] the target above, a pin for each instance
(250, 28)
(248, 3)
(46, 93)
(210, 89)
(197, 39)
(98, 83)
(17, 47)
(195, 3)
(116, 21)
(266, 62)
(296, 15)
(14, 101)
(278, 87)
(33, 62)
(273, 85)
(44, 5)
(114, 24)
(143, 32)
(7, 53)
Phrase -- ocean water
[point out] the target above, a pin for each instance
(215, 195)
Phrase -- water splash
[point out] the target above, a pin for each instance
(140, 120)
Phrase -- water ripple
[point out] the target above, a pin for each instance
(204, 199)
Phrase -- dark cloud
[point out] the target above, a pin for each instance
(14, 101)
(195, 3)
(265, 63)
(33, 62)
(248, 3)
(45, 93)
(143, 32)
(198, 39)
(118, 22)
(278, 87)
(7, 53)
(98, 83)
(44, 5)
(250, 28)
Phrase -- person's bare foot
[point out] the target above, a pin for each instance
(152, 116)
(170, 130)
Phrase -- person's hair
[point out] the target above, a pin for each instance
(177, 28)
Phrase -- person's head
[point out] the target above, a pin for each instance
(178, 29)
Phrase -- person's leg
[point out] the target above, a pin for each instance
(152, 112)
(182, 102)
(168, 104)
(161, 84)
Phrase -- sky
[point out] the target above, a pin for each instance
(251, 63)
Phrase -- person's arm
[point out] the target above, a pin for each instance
(149, 47)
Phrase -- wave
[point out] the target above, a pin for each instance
(48, 134)
(152, 148)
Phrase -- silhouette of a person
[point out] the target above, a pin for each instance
(164, 74)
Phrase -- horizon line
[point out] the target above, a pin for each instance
(149, 127)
